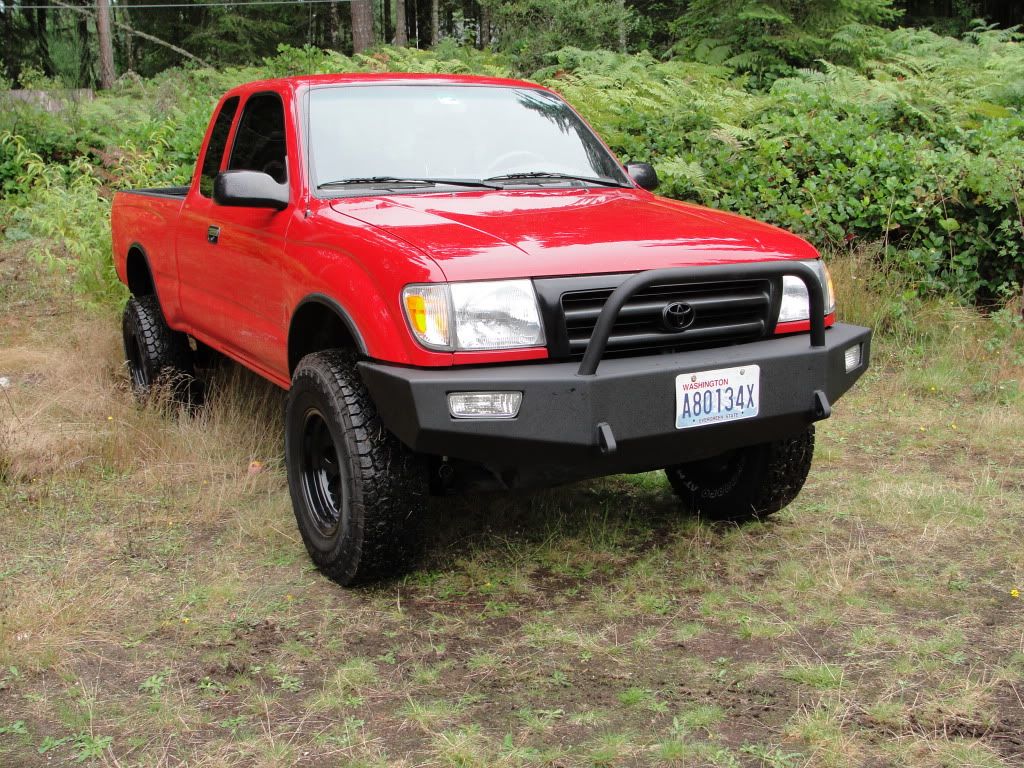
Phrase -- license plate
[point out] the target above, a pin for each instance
(713, 397)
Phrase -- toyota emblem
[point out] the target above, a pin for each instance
(678, 316)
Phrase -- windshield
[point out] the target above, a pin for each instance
(381, 134)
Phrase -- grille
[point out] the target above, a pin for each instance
(723, 314)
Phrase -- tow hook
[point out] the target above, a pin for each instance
(606, 438)
(822, 407)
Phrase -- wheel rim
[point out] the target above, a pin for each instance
(714, 476)
(718, 469)
(322, 474)
(135, 365)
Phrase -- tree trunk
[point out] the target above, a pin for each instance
(435, 23)
(42, 40)
(401, 38)
(362, 25)
(105, 43)
(85, 70)
(622, 26)
(129, 48)
(335, 25)
(485, 25)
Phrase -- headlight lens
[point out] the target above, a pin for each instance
(502, 314)
(498, 315)
(794, 294)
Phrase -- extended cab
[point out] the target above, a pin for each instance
(461, 287)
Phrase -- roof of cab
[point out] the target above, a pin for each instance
(355, 78)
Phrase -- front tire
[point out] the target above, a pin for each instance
(747, 483)
(356, 490)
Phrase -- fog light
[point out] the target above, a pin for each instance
(484, 405)
(852, 356)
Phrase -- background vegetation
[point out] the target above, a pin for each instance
(157, 608)
(914, 144)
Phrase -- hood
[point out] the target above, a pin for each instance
(547, 233)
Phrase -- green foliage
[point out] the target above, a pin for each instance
(920, 149)
(531, 29)
(19, 165)
(772, 37)
(68, 212)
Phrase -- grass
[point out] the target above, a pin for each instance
(157, 607)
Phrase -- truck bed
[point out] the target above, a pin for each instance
(175, 192)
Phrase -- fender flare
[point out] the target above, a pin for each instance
(332, 304)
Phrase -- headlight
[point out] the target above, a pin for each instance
(794, 294)
(501, 314)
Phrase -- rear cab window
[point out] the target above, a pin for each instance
(216, 146)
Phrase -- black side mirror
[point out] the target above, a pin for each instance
(644, 175)
(249, 189)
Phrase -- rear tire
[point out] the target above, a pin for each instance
(747, 483)
(159, 359)
(357, 492)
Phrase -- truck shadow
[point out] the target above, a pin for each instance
(632, 514)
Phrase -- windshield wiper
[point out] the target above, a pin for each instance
(385, 180)
(527, 175)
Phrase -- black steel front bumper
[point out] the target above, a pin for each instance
(561, 410)
(576, 421)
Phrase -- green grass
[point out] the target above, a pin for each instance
(156, 603)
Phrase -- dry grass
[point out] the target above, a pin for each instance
(157, 607)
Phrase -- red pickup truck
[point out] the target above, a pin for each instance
(461, 287)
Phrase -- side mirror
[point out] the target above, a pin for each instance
(249, 189)
(644, 175)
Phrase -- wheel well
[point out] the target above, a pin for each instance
(140, 279)
(317, 326)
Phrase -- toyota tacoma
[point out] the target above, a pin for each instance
(461, 287)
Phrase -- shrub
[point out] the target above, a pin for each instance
(921, 151)
(773, 37)
(918, 150)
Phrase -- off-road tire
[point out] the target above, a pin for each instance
(748, 483)
(376, 487)
(159, 359)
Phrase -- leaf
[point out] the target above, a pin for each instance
(50, 743)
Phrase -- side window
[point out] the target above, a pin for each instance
(218, 143)
(259, 140)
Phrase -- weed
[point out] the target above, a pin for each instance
(822, 676)
(700, 717)
(288, 683)
(154, 684)
(17, 728)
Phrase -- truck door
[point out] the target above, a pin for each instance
(229, 258)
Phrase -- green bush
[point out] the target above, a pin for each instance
(531, 29)
(772, 37)
(920, 149)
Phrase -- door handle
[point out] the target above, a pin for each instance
(212, 234)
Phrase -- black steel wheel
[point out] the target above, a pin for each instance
(357, 492)
(746, 483)
(322, 476)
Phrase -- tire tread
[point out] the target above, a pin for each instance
(388, 485)
(774, 474)
(167, 356)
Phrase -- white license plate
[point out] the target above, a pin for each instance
(713, 397)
